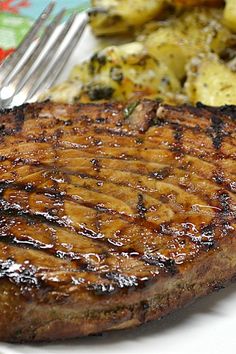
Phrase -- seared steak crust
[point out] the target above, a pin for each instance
(111, 216)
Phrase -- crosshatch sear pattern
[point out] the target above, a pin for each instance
(112, 215)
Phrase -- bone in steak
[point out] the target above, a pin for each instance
(112, 216)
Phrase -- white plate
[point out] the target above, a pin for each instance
(206, 327)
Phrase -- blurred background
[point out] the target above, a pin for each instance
(16, 17)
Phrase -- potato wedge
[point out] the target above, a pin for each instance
(211, 82)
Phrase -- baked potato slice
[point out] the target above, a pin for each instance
(211, 82)
(119, 16)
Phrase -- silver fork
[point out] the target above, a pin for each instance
(38, 61)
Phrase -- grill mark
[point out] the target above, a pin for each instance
(119, 184)
(161, 261)
(207, 156)
(216, 126)
(96, 165)
(204, 158)
(181, 125)
(166, 265)
(142, 210)
(157, 175)
(161, 174)
(197, 128)
(19, 118)
(50, 249)
(198, 113)
(27, 242)
(21, 276)
(217, 131)
(224, 182)
(62, 196)
(177, 147)
(164, 172)
(225, 204)
(112, 131)
(124, 133)
(228, 110)
(218, 178)
(141, 188)
(84, 232)
(30, 243)
(121, 280)
(206, 237)
(177, 131)
(131, 158)
(89, 205)
(178, 135)
(11, 210)
(27, 276)
(167, 121)
(14, 124)
(82, 174)
(184, 143)
(102, 289)
(223, 200)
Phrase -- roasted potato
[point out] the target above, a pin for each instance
(211, 82)
(169, 46)
(184, 43)
(119, 16)
(118, 73)
(230, 14)
(186, 35)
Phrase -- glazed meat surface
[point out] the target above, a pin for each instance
(112, 215)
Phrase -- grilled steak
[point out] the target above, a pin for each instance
(112, 215)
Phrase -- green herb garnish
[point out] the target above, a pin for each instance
(130, 108)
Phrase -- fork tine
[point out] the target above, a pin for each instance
(40, 72)
(17, 81)
(13, 59)
(61, 60)
(41, 77)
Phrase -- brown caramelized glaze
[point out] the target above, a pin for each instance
(95, 203)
